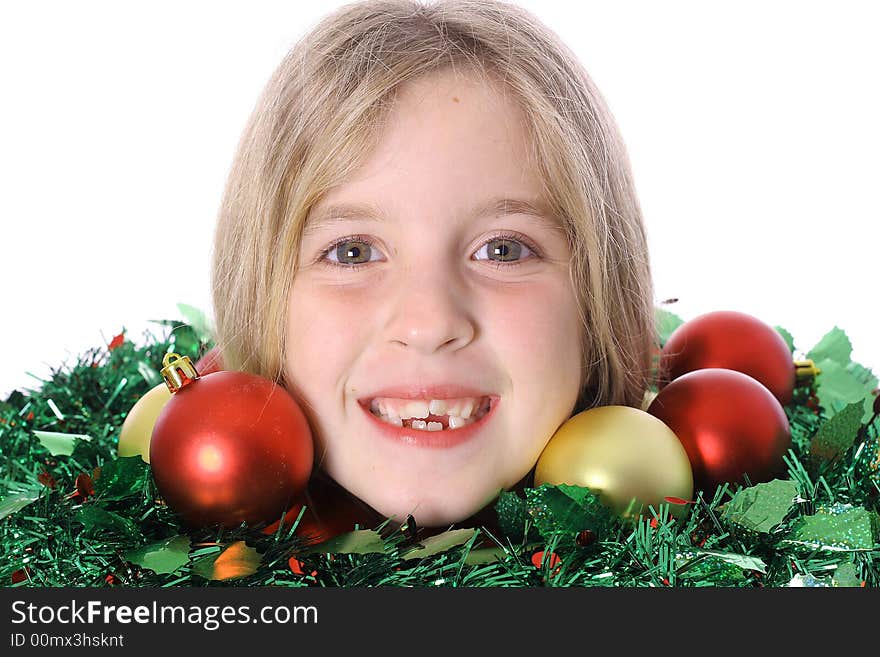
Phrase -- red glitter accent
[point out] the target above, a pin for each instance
(84, 485)
(297, 567)
(553, 561)
(116, 341)
(84, 488)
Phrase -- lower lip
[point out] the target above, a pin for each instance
(443, 439)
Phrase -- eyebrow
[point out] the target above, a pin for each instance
(494, 207)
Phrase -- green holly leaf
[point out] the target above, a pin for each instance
(513, 517)
(837, 434)
(839, 528)
(360, 541)
(60, 444)
(666, 323)
(863, 375)
(183, 339)
(762, 507)
(485, 555)
(199, 322)
(744, 561)
(441, 543)
(841, 381)
(716, 568)
(834, 346)
(98, 521)
(838, 386)
(122, 477)
(847, 575)
(15, 502)
(566, 510)
(789, 340)
(162, 557)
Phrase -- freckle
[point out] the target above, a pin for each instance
(455, 99)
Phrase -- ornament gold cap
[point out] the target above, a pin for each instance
(178, 371)
(805, 371)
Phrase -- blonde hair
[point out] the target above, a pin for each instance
(318, 120)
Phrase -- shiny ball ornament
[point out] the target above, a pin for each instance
(729, 424)
(735, 341)
(229, 447)
(211, 362)
(134, 436)
(626, 456)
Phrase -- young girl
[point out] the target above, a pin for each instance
(431, 237)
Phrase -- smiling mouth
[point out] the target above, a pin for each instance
(430, 415)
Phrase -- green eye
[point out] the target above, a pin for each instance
(503, 249)
(352, 252)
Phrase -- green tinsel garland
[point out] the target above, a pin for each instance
(74, 514)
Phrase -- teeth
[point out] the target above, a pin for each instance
(415, 408)
(415, 412)
(455, 422)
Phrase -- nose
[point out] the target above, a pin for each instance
(430, 311)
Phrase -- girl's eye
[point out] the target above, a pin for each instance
(351, 251)
(504, 249)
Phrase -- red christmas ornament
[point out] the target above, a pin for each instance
(730, 426)
(228, 447)
(734, 341)
(211, 362)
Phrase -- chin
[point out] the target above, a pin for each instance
(432, 511)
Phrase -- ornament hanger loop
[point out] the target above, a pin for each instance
(178, 371)
(806, 371)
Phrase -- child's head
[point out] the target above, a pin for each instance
(365, 253)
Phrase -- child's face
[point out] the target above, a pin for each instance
(428, 303)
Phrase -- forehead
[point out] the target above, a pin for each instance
(450, 144)
(457, 114)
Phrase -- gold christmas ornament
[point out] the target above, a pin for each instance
(629, 458)
(137, 429)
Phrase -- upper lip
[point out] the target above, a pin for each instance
(427, 391)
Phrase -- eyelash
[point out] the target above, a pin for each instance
(503, 235)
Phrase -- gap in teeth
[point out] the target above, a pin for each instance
(430, 415)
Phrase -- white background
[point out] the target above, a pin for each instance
(752, 128)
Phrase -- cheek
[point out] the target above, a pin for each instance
(323, 341)
(537, 328)
(537, 337)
